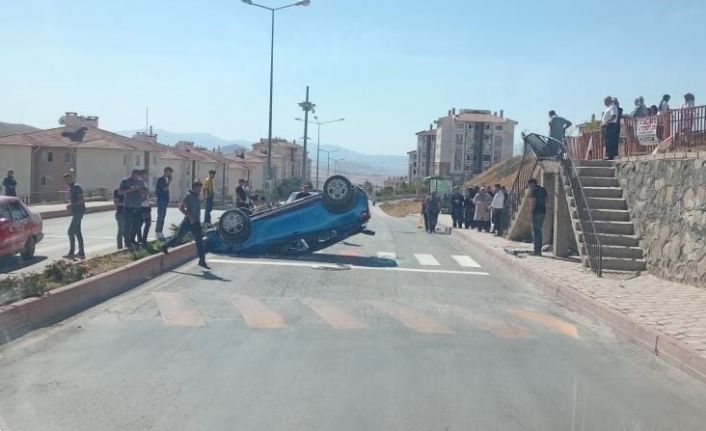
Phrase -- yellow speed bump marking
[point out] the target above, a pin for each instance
(550, 322)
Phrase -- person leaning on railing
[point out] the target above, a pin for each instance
(611, 128)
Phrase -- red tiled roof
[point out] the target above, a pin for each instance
(91, 138)
(481, 118)
(427, 132)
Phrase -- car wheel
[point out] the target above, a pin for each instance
(234, 226)
(338, 194)
(28, 251)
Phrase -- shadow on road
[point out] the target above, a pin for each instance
(205, 275)
(368, 261)
(14, 263)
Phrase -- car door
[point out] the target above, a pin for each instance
(20, 225)
(7, 233)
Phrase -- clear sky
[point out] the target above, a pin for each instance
(389, 67)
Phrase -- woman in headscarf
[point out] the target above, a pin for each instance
(482, 202)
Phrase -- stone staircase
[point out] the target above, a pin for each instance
(609, 210)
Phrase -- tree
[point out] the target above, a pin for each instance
(368, 187)
(403, 187)
(288, 186)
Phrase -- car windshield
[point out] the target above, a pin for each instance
(350, 215)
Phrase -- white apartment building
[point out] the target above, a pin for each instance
(468, 142)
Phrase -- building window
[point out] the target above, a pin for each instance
(44, 181)
(67, 158)
(499, 127)
(459, 140)
(137, 160)
(48, 156)
(470, 126)
(154, 160)
(487, 127)
(459, 125)
(124, 159)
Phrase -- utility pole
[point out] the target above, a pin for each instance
(306, 106)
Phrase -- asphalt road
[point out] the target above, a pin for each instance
(99, 235)
(401, 331)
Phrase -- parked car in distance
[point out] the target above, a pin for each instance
(304, 225)
(20, 228)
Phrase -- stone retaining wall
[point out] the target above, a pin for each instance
(667, 200)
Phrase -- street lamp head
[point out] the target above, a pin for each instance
(298, 119)
(247, 1)
(301, 3)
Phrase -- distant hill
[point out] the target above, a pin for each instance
(199, 138)
(11, 129)
(365, 164)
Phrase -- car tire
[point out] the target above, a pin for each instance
(29, 249)
(338, 194)
(234, 226)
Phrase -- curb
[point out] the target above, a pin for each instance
(65, 213)
(21, 317)
(672, 350)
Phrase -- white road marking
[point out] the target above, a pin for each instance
(324, 266)
(465, 261)
(426, 259)
(387, 255)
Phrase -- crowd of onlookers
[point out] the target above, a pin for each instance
(480, 207)
(483, 207)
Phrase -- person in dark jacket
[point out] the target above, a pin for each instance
(191, 208)
(470, 208)
(77, 206)
(433, 208)
(10, 184)
(457, 208)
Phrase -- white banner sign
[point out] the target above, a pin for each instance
(646, 130)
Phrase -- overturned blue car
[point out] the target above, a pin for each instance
(305, 225)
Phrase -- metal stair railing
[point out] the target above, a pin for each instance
(527, 166)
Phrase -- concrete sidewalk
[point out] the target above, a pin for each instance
(667, 318)
(48, 211)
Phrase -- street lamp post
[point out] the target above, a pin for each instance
(268, 172)
(306, 106)
(318, 141)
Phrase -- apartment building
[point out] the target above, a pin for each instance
(286, 158)
(470, 141)
(412, 165)
(97, 157)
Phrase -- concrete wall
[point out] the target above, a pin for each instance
(19, 159)
(667, 199)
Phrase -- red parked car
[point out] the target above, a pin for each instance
(20, 228)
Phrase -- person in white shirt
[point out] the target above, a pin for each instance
(664, 104)
(611, 129)
(498, 206)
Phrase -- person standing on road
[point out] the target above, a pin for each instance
(611, 130)
(558, 126)
(9, 183)
(432, 210)
(457, 208)
(191, 208)
(482, 201)
(77, 206)
(538, 208)
(132, 189)
(209, 193)
(498, 206)
(305, 192)
(161, 191)
(241, 197)
(119, 217)
(425, 212)
(470, 208)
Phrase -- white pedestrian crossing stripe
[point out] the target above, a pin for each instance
(426, 259)
(387, 255)
(465, 261)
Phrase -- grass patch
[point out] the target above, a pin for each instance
(63, 272)
(402, 208)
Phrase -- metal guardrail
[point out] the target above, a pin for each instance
(591, 240)
(62, 196)
(681, 130)
(527, 166)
